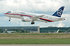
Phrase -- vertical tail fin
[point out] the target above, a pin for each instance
(59, 12)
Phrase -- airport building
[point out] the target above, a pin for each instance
(20, 29)
(55, 30)
(34, 29)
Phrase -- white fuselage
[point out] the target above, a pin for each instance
(28, 17)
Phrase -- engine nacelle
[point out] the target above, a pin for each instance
(26, 20)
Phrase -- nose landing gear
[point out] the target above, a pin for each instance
(9, 19)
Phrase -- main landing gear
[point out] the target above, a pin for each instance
(32, 22)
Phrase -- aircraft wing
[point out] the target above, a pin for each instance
(37, 17)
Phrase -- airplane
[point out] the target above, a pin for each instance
(29, 17)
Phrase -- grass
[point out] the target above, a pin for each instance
(29, 38)
(34, 41)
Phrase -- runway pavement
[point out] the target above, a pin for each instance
(35, 45)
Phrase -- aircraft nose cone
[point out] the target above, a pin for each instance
(2, 14)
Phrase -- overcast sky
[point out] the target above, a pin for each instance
(34, 6)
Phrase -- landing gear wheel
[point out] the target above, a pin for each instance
(9, 20)
(32, 22)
